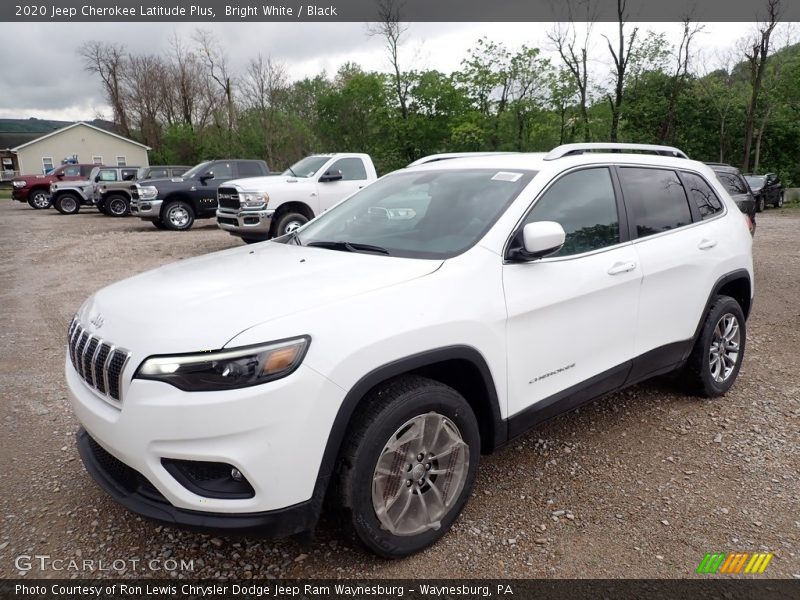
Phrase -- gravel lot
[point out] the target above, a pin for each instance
(641, 484)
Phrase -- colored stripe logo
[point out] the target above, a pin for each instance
(734, 562)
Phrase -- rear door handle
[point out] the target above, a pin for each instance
(621, 267)
(707, 244)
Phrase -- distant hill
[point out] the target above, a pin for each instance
(45, 125)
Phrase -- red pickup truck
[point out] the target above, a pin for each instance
(35, 189)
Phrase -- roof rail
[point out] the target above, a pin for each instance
(571, 149)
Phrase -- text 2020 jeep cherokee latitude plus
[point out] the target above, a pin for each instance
(375, 353)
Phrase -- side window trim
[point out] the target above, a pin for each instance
(696, 216)
(621, 214)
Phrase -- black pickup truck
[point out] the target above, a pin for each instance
(176, 203)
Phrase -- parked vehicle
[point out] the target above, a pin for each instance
(161, 171)
(113, 196)
(767, 189)
(35, 189)
(450, 155)
(736, 185)
(176, 203)
(256, 209)
(379, 349)
(67, 197)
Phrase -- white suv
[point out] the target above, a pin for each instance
(374, 354)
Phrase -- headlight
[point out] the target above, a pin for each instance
(253, 199)
(147, 192)
(53, 187)
(227, 369)
(19, 184)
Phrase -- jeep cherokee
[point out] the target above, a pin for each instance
(372, 355)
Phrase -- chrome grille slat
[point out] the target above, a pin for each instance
(99, 363)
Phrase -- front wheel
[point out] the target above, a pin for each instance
(117, 206)
(39, 199)
(289, 222)
(67, 204)
(159, 224)
(408, 465)
(719, 349)
(178, 216)
(760, 204)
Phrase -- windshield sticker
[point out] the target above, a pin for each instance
(506, 176)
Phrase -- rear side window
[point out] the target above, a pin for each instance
(249, 169)
(732, 182)
(157, 174)
(702, 195)
(584, 204)
(128, 174)
(178, 172)
(655, 200)
(72, 171)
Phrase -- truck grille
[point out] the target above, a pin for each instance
(99, 363)
(228, 198)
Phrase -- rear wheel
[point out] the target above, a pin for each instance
(760, 204)
(249, 240)
(779, 201)
(178, 216)
(67, 204)
(39, 199)
(408, 465)
(117, 206)
(717, 356)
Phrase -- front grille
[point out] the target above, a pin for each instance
(228, 198)
(99, 363)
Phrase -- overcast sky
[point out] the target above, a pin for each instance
(42, 75)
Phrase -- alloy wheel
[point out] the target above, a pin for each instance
(724, 351)
(178, 216)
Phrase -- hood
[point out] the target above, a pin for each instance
(32, 178)
(269, 182)
(201, 303)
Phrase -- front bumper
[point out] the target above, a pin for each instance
(246, 223)
(146, 209)
(20, 194)
(274, 434)
(134, 492)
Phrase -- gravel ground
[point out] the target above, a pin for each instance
(641, 484)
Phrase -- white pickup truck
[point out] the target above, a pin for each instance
(259, 208)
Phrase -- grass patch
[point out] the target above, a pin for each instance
(5, 194)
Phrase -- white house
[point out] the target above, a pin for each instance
(87, 143)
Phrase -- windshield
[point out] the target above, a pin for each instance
(196, 170)
(434, 214)
(755, 181)
(93, 173)
(307, 167)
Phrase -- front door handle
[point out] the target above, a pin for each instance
(707, 244)
(621, 267)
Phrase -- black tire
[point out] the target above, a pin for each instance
(177, 215)
(779, 201)
(39, 199)
(760, 204)
(289, 222)
(248, 240)
(386, 410)
(117, 205)
(158, 224)
(67, 203)
(698, 370)
(101, 207)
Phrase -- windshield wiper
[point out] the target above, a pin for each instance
(349, 247)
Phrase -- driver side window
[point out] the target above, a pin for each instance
(584, 204)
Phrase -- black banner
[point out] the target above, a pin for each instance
(367, 10)
(527, 589)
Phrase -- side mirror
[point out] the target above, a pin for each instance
(539, 239)
(96, 178)
(207, 175)
(331, 176)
